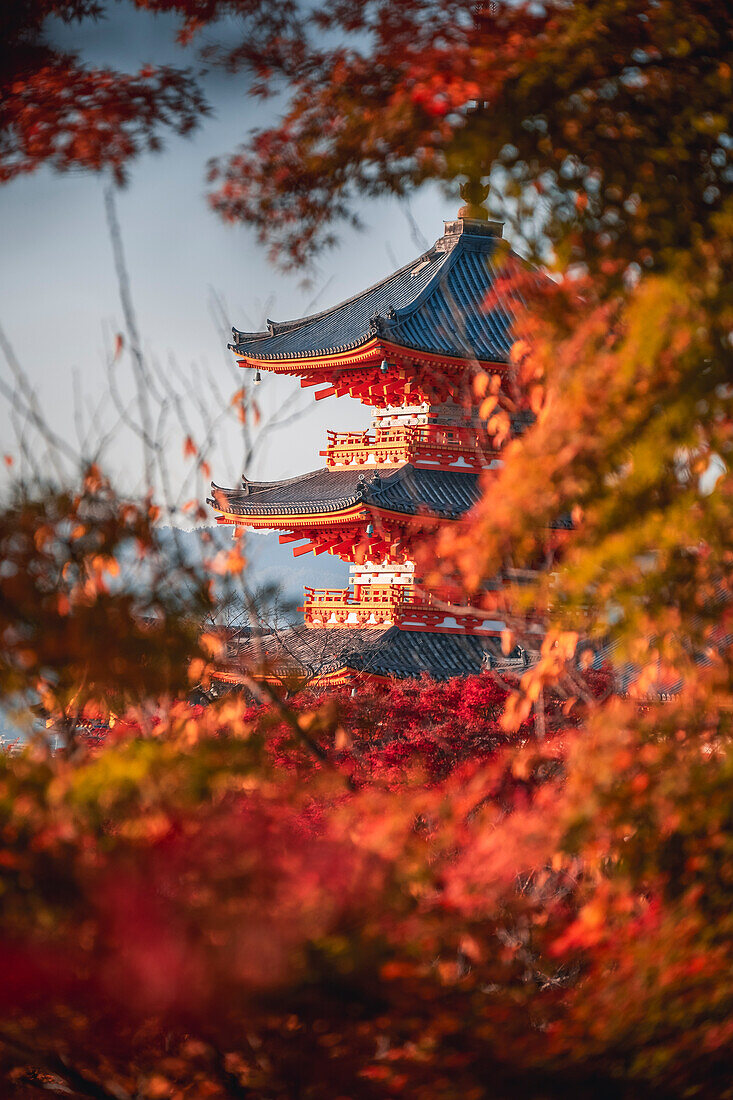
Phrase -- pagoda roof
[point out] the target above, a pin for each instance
(392, 652)
(444, 494)
(434, 304)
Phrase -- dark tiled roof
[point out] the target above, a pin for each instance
(309, 649)
(434, 304)
(446, 494)
(392, 652)
(407, 653)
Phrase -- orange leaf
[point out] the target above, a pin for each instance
(196, 669)
(536, 398)
(212, 644)
(487, 406)
(480, 384)
(342, 740)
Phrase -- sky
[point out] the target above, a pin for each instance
(59, 298)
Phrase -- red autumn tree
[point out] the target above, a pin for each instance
(55, 109)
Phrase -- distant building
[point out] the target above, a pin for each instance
(409, 348)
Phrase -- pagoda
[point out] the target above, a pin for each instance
(408, 348)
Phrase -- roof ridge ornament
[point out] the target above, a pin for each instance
(473, 219)
(377, 324)
(474, 193)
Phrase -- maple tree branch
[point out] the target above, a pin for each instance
(57, 1066)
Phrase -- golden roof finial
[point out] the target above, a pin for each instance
(474, 193)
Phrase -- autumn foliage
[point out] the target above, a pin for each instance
(223, 910)
(485, 888)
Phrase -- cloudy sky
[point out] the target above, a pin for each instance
(59, 299)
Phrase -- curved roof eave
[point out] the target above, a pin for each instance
(409, 491)
(431, 305)
(275, 328)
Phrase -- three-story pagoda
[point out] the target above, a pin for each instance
(408, 348)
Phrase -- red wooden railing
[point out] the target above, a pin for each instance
(437, 444)
(375, 604)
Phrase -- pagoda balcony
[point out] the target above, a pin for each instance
(435, 446)
(343, 607)
(391, 605)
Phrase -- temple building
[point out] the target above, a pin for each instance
(408, 348)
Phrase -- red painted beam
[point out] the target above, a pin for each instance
(346, 547)
(300, 550)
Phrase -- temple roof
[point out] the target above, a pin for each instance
(392, 652)
(434, 304)
(441, 493)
